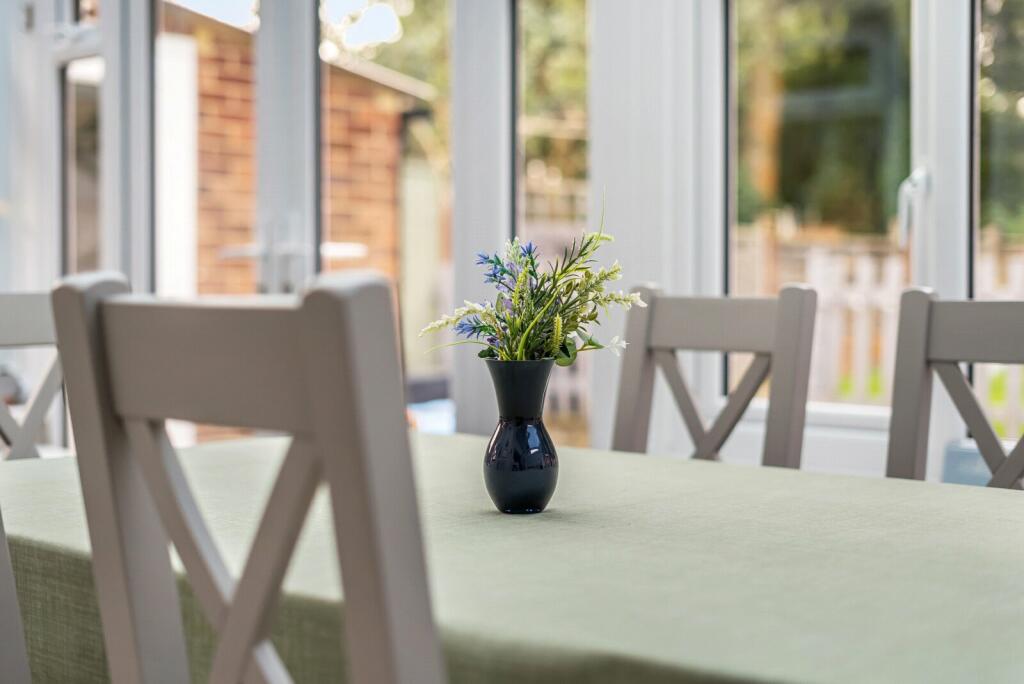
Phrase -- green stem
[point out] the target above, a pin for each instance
(520, 352)
(452, 344)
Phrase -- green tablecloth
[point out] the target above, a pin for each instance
(643, 570)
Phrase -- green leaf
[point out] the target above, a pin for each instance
(566, 353)
(487, 353)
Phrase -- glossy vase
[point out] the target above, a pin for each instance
(521, 466)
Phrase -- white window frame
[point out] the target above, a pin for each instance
(9, 19)
(288, 143)
(483, 63)
(37, 174)
(46, 39)
(657, 117)
(126, 139)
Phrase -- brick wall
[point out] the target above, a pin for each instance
(227, 160)
(362, 128)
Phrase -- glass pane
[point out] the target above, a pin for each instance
(999, 241)
(205, 148)
(386, 177)
(821, 116)
(205, 151)
(82, 79)
(553, 187)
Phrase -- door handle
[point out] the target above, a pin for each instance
(910, 191)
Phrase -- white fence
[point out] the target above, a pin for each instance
(859, 282)
(1000, 275)
(855, 335)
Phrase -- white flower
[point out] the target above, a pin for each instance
(617, 345)
(470, 308)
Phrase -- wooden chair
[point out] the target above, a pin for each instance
(323, 368)
(780, 334)
(937, 336)
(26, 321)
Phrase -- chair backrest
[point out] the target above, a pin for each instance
(324, 369)
(779, 332)
(937, 336)
(26, 320)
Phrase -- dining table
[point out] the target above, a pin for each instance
(643, 569)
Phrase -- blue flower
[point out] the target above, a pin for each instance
(482, 258)
(470, 327)
(493, 275)
(529, 249)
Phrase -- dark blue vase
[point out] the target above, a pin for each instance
(521, 466)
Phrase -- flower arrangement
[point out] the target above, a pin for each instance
(540, 313)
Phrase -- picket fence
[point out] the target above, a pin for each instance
(855, 336)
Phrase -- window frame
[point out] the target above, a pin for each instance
(483, 172)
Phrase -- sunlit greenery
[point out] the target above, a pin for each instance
(1001, 98)
(822, 101)
(552, 74)
(553, 83)
(823, 106)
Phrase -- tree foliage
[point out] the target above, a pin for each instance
(822, 101)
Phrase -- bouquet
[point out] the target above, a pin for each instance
(541, 312)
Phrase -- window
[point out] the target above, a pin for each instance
(999, 240)
(385, 196)
(822, 105)
(204, 148)
(552, 187)
(81, 120)
(811, 117)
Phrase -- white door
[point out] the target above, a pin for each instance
(850, 170)
(823, 142)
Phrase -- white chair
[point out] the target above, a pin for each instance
(323, 368)
(937, 336)
(26, 321)
(779, 332)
